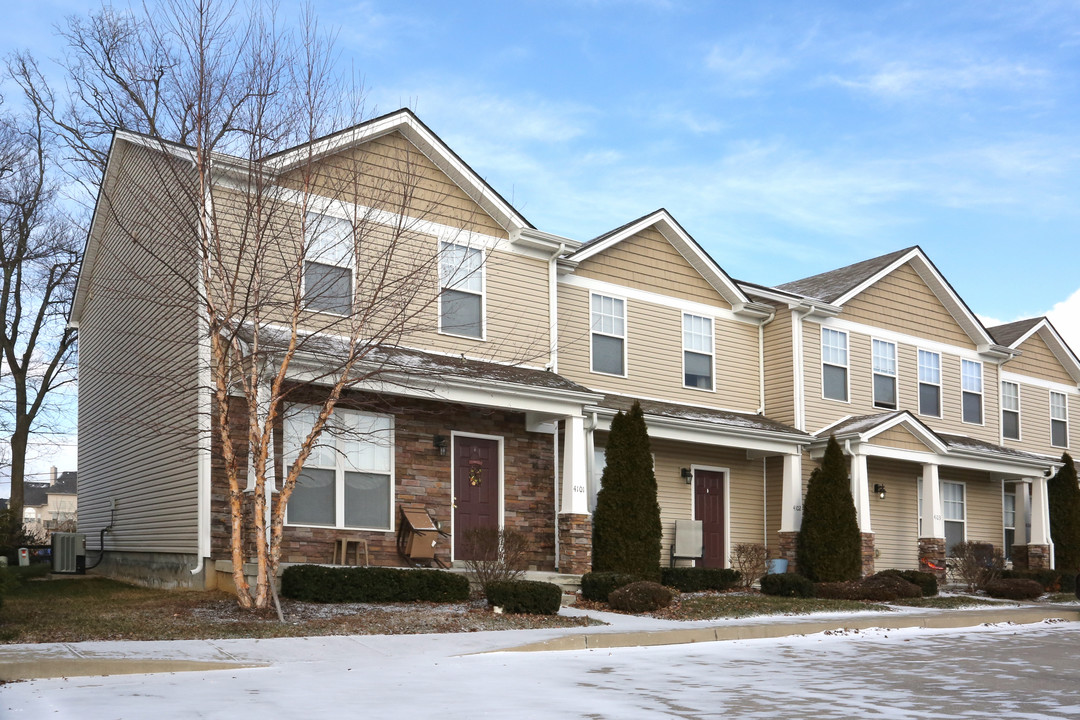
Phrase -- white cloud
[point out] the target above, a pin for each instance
(1065, 316)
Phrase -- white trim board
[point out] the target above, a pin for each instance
(695, 308)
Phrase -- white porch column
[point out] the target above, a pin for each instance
(791, 510)
(1040, 513)
(860, 493)
(575, 497)
(933, 510)
(1023, 514)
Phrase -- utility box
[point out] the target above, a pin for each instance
(69, 553)
(24, 557)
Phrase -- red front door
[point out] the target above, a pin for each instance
(476, 488)
(709, 509)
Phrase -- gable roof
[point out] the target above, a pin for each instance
(838, 286)
(1010, 333)
(683, 243)
(1014, 335)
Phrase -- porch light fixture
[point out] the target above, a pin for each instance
(687, 475)
(879, 489)
(440, 443)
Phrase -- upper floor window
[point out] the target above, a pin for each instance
(884, 354)
(347, 480)
(328, 261)
(461, 296)
(834, 364)
(971, 391)
(1059, 419)
(929, 383)
(1010, 410)
(697, 351)
(608, 335)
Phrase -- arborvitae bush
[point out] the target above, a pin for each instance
(787, 585)
(694, 579)
(596, 586)
(317, 583)
(926, 581)
(1064, 498)
(829, 547)
(1014, 589)
(641, 596)
(626, 523)
(524, 596)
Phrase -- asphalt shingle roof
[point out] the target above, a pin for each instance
(1009, 333)
(834, 284)
(686, 412)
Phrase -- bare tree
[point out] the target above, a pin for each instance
(306, 267)
(39, 257)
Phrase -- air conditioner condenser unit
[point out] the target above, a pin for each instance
(69, 553)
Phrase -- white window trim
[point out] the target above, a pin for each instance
(939, 385)
(711, 353)
(350, 265)
(981, 393)
(483, 292)
(1050, 399)
(895, 375)
(626, 333)
(1005, 493)
(847, 367)
(1019, 412)
(944, 519)
(727, 503)
(339, 482)
(454, 434)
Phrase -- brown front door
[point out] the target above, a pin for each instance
(476, 488)
(709, 509)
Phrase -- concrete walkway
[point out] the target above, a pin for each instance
(54, 660)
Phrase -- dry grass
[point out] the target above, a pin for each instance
(716, 606)
(101, 609)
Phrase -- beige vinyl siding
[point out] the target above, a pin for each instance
(895, 520)
(821, 412)
(1039, 361)
(898, 437)
(901, 301)
(137, 367)
(779, 369)
(746, 508)
(1035, 421)
(655, 356)
(647, 261)
(982, 503)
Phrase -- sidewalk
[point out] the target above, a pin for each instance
(54, 660)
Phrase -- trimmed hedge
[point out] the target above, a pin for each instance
(1051, 580)
(524, 596)
(787, 585)
(641, 596)
(317, 583)
(882, 587)
(1015, 589)
(924, 580)
(693, 579)
(597, 586)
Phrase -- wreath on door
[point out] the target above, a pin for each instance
(475, 474)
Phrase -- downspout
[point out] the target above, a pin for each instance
(203, 409)
(761, 361)
(799, 380)
(553, 309)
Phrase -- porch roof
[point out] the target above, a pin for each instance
(726, 419)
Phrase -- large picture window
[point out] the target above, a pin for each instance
(971, 391)
(328, 264)
(952, 497)
(461, 294)
(697, 352)
(834, 364)
(929, 383)
(884, 365)
(608, 335)
(1010, 410)
(347, 480)
(1059, 420)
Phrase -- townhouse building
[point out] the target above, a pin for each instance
(530, 344)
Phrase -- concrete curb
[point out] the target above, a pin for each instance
(41, 668)
(595, 641)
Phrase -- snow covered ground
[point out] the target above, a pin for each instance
(1012, 671)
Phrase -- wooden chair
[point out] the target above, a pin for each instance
(417, 537)
(341, 548)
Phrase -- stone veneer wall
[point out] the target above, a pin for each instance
(423, 480)
(575, 544)
(867, 554)
(932, 557)
(789, 549)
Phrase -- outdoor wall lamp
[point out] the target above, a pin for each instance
(441, 444)
(879, 489)
(687, 475)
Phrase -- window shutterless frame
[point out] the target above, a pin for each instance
(954, 510)
(971, 392)
(1010, 410)
(835, 375)
(329, 279)
(929, 383)
(884, 374)
(1059, 419)
(607, 335)
(699, 359)
(462, 300)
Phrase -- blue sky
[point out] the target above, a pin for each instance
(787, 138)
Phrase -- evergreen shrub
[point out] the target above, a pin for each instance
(524, 596)
(1051, 580)
(1015, 589)
(626, 522)
(927, 582)
(829, 546)
(882, 587)
(596, 586)
(695, 579)
(787, 585)
(1063, 495)
(318, 583)
(641, 596)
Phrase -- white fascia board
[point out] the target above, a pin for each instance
(696, 308)
(909, 423)
(703, 433)
(543, 241)
(1019, 379)
(1019, 467)
(91, 244)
